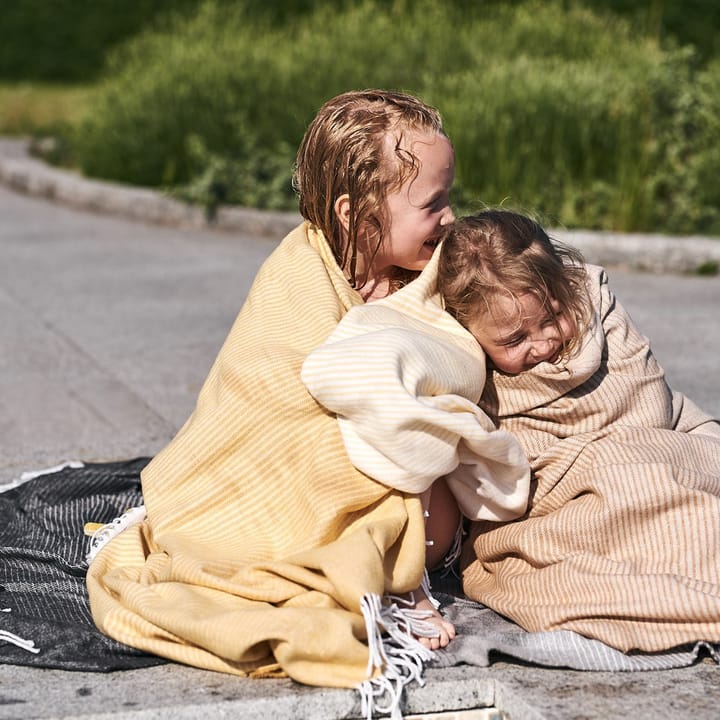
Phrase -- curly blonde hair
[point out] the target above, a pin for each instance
(344, 151)
(500, 251)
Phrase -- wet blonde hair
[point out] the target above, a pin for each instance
(345, 151)
(503, 252)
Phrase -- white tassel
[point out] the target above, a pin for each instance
(103, 535)
(16, 640)
(371, 609)
(426, 587)
(454, 552)
(373, 691)
(399, 656)
(13, 639)
(411, 619)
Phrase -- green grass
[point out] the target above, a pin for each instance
(32, 109)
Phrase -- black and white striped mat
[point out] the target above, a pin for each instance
(45, 618)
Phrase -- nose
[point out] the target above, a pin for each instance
(544, 348)
(447, 217)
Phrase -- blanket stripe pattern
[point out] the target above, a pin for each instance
(44, 615)
(261, 540)
(404, 379)
(621, 541)
(43, 601)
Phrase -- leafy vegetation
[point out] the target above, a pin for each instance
(584, 116)
(69, 39)
(66, 40)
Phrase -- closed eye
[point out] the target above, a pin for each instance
(513, 341)
(435, 202)
(552, 319)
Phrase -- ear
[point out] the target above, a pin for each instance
(342, 210)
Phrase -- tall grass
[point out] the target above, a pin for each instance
(28, 108)
(561, 110)
(558, 110)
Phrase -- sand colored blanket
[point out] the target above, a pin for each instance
(262, 540)
(622, 539)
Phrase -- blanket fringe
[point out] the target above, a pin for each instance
(398, 655)
(104, 534)
(16, 640)
(426, 587)
(449, 563)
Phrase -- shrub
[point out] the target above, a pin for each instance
(558, 111)
(687, 189)
(66, 40)
(563, 111)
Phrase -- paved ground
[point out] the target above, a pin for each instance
(108, 329)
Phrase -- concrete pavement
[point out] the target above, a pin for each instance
(109, 326)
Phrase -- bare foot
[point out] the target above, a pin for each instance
(445, 629)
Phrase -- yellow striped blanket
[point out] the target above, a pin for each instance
(621, 541)
(261, 538)
(264, 550)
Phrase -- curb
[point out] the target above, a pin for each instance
(26, 174)
(642, 252)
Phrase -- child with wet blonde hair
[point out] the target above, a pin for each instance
(373, 174)
(254, 511)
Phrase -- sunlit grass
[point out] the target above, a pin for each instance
(29, 109)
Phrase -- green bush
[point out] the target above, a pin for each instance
(687, 22)
(70, 38)
(561, 110)
(67, 40)
(687, 189)
(566, 115)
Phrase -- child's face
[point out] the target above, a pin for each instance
(421, 207)
(519, 333)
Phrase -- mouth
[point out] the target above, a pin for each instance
(552, 359)
(556, 355)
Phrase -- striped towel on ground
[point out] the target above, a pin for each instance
(39, 557)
